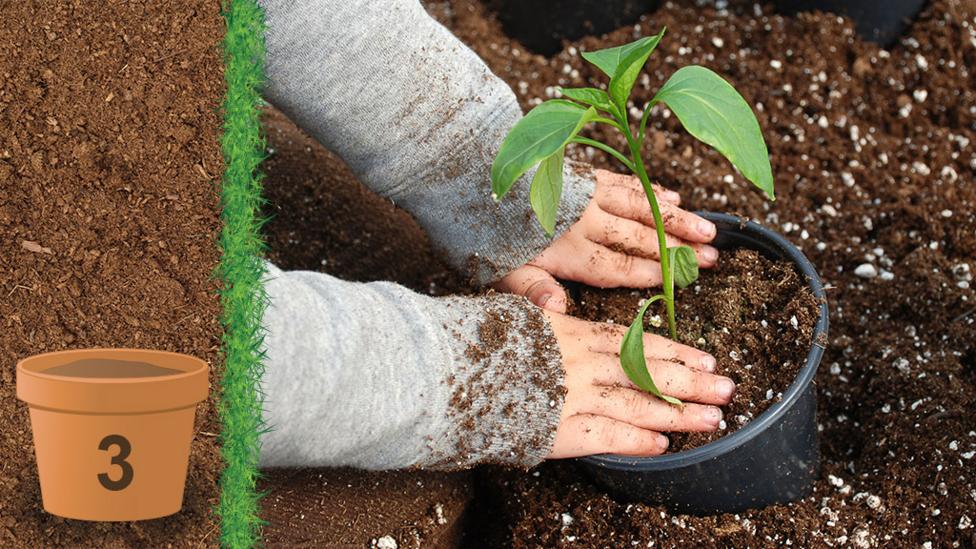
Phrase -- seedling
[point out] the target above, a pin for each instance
(707, 106)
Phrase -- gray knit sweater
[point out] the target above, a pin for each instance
(374, 375)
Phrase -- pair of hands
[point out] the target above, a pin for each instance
(614, 244)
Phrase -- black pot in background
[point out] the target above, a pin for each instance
(880, 22)
(775, 458)
(542, 25)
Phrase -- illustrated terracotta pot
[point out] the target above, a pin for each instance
(112, 429)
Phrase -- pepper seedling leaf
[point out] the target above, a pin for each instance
(630, 66)
(632, 358)
(546, 190)
(684, 265)
(594, 97)
(540, 133)
(608, 60)
(715, 114)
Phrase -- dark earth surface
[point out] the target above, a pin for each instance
(324, 219)
(873, 155)
(347, 508)
(109, 163)
(874, 164)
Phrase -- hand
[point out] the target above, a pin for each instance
(605, 413)
(614, 244)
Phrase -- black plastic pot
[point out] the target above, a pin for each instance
(775, 458)
(542, 25)
(880, 22)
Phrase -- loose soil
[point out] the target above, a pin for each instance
(755, 316)
(347, 508)
(111, 369)
(109, 162)
(873, 155)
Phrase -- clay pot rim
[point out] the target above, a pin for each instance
(27, 365)
(113, 395)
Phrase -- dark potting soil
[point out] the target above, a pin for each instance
(875, 165)
(889, 183)
(755, 316)
(109, 163)
(103, 368)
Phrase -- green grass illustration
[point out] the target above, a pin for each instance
(241, 272)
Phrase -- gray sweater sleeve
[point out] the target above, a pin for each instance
(417, 116)
(378, 377)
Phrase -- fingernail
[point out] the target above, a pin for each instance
(708, 363)
(706, 229)
(712, 415)
(663, 442)
(544, 299)
(672, 196)
(709, 253)
(725, 388)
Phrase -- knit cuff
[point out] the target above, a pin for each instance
(525, 237)
(506, 389)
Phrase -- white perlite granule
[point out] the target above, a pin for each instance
(866, 270)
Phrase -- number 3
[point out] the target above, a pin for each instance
(119, 459)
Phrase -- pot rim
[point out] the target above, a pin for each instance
(28, 365)
(803, 378)
(112, 395)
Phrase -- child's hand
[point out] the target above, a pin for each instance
(612, 245)
(605, 413)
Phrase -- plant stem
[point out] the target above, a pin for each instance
(662, 242)
(608, 121)
(609, 150)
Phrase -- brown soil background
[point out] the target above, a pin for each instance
(109, 164)
(898, 384)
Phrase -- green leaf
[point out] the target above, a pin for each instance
(714, 113)
(632, 358)
(608, 60)
(684, 265)
(540, 133)
(630, 66)
(589, 96)
(547, 188)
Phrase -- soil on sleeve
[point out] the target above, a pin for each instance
(324, 219)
